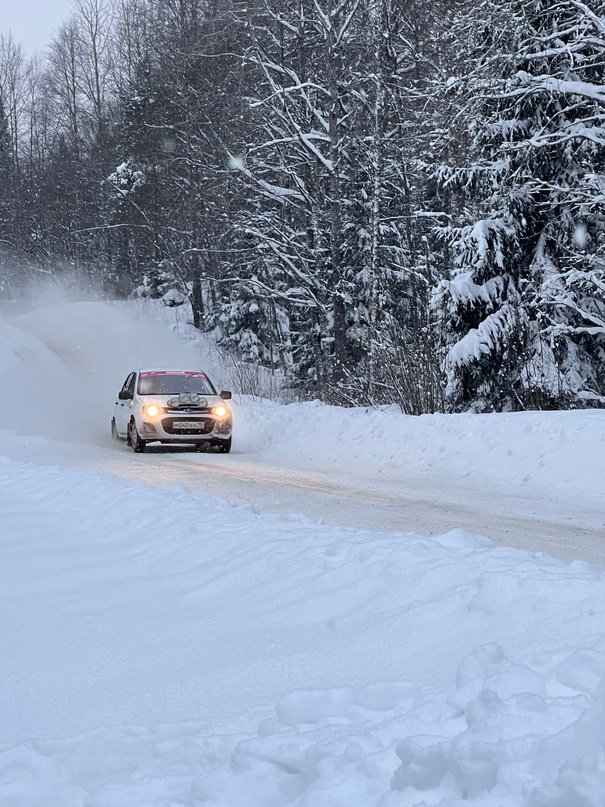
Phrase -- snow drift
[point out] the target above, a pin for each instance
(162, 648)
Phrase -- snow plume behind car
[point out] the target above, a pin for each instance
(40, 394)
(59, 366)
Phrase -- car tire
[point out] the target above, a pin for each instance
(224, 446)
(138, 445)
(114, 431)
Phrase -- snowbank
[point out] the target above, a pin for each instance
(196, 653)
(559, 452)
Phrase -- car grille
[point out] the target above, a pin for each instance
(179, 410)
(204, 425)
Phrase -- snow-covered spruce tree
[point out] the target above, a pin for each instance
(524, 312)
(255, 327)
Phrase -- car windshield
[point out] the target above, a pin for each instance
(169, 383)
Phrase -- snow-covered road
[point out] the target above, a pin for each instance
(365, 497)
(383, 500)
(269, 628)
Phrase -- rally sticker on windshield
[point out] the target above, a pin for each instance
(189, 373)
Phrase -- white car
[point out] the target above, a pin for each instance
(172, 406)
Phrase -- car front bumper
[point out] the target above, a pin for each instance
(171, 428)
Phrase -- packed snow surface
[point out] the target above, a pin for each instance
(165, 648)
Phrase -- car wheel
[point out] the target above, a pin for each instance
(138, 445)
(224, 446)
(114, 431)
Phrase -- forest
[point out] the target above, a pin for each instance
(382, 201)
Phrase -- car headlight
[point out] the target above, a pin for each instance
(220, 411)
(152, 410)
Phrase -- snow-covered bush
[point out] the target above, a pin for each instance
(163, 282)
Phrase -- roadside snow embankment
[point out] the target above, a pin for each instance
(401, 671)
(559, 452)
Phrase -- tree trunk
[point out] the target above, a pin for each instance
(197, 302)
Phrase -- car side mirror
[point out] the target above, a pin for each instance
(125, 395)
(225, 395)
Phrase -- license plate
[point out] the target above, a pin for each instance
(187, 425)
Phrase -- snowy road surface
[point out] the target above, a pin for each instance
(368, 497)
(269, 627)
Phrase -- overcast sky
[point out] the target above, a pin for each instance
(33, 22)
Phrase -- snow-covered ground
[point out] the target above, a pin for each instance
(162, 647)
